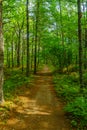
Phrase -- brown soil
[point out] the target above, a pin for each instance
(36, 107)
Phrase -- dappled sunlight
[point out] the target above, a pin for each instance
(38, 111)
(30, 107)
(37, 108)
(13, 121)
(23, 99)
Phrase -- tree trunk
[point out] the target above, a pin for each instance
(39, 40)
(12, 44)
(36, 36)
(61, 20)
(61, 35)
(1, 56)
(85, 50)
(32, 53)
(80, 44)
(18, 49)
(22, 58)
(28, 53)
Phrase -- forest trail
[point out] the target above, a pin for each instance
(37, 108)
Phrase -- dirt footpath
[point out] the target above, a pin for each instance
(37, 108)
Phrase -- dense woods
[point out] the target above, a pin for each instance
(52, 32)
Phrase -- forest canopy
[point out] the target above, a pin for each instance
(36, 32)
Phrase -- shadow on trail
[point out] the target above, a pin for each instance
(39, 120)
(45, 74)
(37, 108)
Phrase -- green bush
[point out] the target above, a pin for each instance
(78, 110)
(69, 92)
(65, 88)
(68, 89)
(15, 79)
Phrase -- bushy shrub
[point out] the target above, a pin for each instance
(67, 87)
(13, 81)
(78, 110)
(69, 92)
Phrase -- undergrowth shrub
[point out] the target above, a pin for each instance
(78, 110)
(13, 80)
(70, 68)
(67, 87)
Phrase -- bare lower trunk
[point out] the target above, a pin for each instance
(28, 40)
(36, 36)
(1, 56)
(80, 44)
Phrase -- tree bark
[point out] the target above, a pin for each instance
(1, 56)
(80, 44)
(18, 49)
(36, 36)
(12, 45)
(28, 44)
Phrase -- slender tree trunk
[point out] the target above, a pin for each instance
(28, 53)
(35, 52)
(62, 33)
(1, 56)
(80, 44)
(18, 49)
(84, 35)
(7, 54)
(9, 58)
(62, 36)
(22, 58)
(85, 49)
(32, 53)
(39, 50)
(36, 37)
(15, 55)
(12, 53)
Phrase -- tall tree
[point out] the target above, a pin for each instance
(27, 16)
(80, 42)
(1, 55)
(36, 35)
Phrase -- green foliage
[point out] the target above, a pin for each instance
(15, 79)
(74, 123)
(67, 88)
(78, 110)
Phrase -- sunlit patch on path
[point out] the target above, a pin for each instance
(37, 108)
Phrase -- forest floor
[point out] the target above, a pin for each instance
(37, 107)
